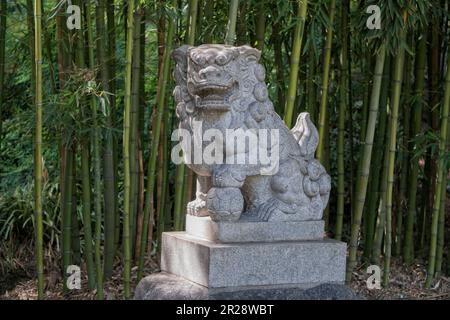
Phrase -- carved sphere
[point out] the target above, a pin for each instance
(260, 92)
(225, 204)
(260, 72)
(311, 188)
(257, 111)
(315, 169)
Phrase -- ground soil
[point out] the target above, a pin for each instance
(405, 283)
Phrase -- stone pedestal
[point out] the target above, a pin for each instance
(221, 265)
(246, 259)
(248, 230)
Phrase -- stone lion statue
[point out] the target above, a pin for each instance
(223, 88)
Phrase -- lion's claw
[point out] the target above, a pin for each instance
(197, 208)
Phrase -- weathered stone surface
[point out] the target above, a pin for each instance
(248, 230)
(216, 265)
(163, 286)
(223, 88)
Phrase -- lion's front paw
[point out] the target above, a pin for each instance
(224, 177)
(225, 204)
(197, 208)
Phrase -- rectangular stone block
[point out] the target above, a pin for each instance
(222, 265)
(253, 231)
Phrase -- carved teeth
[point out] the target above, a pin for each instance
(212, 86)
(213, 105)
(212, 102)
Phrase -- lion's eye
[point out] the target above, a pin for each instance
(221, 60)
(200, 60)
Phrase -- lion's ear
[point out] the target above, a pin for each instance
(249, 53)
(180, 54)
(180, 70)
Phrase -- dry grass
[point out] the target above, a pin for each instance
(26, 288)
(406, 282)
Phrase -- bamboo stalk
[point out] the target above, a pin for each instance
(95, 141)
(75, 229)
(241, 24)
(441, 228)
(163, 210)
(404, 158)
(209, 9)
(181, 170)
(193, 14)
(108, 153)
(140, 128)
(126, 150)
(162, 86)
(67, 214)
(31, 21)
(193, 9)
(396, 91)
(441, 174)
(381, 218)
(408, 247)
(260, 25)
(377, 163)
(366, 159)
(278, 57)
(38, 165)
(230, 37)
(434, 77)
(343, 101)
(178, 206)
(2, 58)
(441, 233)
(85, 182)
(48, 53)
(87, 213)
(112, 223)
(134, 125)
(295, 60)
(311, 86)
(320, 153)
(111, 33)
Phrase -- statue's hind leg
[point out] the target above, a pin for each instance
(286, 193)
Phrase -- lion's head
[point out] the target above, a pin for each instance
(216, 78)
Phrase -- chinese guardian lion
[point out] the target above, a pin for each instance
(222, 87)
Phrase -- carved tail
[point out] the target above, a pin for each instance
(306, 135)
(316, 182)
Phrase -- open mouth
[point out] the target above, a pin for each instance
(208, 89)
(213, 97)
(213, 103)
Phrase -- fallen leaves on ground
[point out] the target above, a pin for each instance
(405, 282)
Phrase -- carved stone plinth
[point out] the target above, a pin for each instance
(248, 230)
(194, 268)
(224, 265)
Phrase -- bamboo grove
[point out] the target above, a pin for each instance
(97, 100)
